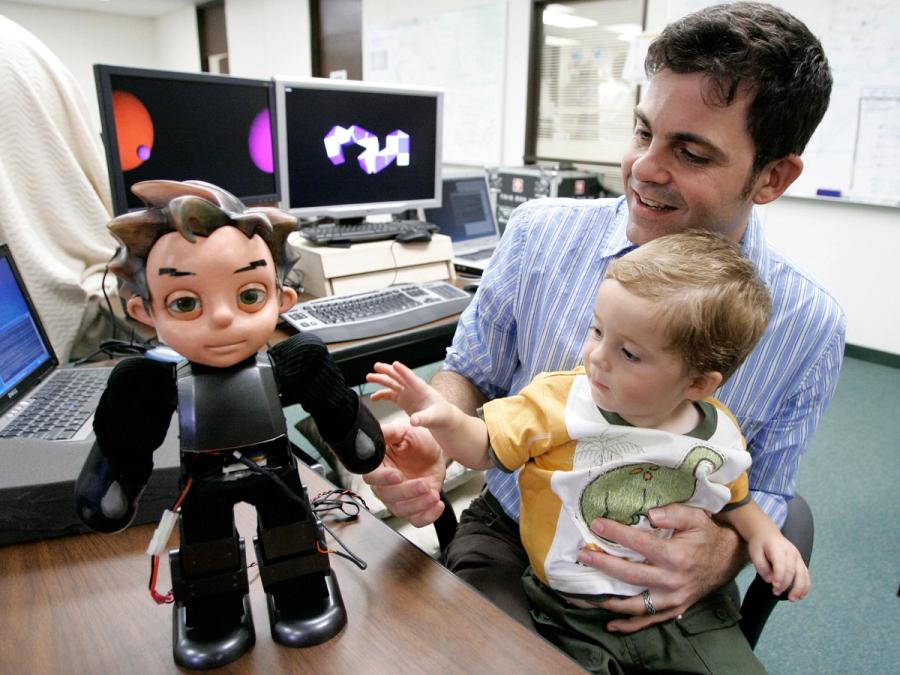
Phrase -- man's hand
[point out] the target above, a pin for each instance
(700, 557)
(409, 479)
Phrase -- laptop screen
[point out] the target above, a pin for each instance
(25, 353)
(466, 210)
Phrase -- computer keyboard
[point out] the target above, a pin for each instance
(336, 234)
(363, 315)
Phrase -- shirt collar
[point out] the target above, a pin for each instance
(754, 246)
(618, 244)
(753, 243)
(703, 431)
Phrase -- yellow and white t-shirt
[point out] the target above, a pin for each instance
(578, 463)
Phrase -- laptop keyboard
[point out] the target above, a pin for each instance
(58, 409)
(483, 254)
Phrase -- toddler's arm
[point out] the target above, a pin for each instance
(776, 559)
(463, 437)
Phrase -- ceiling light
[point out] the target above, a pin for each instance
(560, 19)
(624, 28)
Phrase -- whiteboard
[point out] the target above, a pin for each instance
(461, 51)
(855, 152)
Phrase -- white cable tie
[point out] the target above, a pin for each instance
(163, 531)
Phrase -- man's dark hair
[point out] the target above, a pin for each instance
(761, 49)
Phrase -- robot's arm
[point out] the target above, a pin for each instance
(308, 375)
(133, 415)
(131, 421)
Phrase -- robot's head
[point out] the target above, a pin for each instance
(192, 208)
(205, 271)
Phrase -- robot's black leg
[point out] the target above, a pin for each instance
(304, 600)
(212, 621)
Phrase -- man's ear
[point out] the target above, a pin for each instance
(703, 385)
(137, 311)
(775, 178)
(287, 299)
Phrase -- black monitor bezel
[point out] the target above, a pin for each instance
(102, 77)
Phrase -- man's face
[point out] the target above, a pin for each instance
(688, 164)
(214, 301)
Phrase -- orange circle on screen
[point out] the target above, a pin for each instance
(134, 130)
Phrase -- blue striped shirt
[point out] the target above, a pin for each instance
(533, 309)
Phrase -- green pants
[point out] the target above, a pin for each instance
(707, 639)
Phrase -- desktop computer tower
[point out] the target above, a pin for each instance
(515, 185)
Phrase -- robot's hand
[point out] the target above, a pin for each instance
(105, 500)
(308, 375)
(362, 449)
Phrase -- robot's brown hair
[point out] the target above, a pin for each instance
(192, 208)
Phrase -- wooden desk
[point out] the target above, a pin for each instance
(80, 604)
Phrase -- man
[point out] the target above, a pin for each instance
(735, 93)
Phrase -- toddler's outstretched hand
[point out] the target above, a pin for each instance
(424, 405)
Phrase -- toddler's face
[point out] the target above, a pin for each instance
(629, 364)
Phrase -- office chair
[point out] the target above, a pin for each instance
(758, 601)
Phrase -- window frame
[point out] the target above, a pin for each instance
(532, 114)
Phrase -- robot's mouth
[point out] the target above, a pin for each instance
(220, 349)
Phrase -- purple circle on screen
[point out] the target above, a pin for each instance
(143, 152)
(259, 142)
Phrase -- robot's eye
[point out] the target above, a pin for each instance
(251, 298)
(183, 305)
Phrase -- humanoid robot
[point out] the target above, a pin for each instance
(205, 273)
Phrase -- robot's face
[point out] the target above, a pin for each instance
(214, 301)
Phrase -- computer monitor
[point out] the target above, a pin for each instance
(351, 149)
(465, 215)
(188, 126)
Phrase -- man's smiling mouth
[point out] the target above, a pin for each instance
(651, 204)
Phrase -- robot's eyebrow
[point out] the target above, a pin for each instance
(252, 266)
(172, 272)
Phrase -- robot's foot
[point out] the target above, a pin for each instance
(201, 649)
(303, 626)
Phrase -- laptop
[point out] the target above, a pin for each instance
(42, 453)
(38, 399)
(467, 218)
